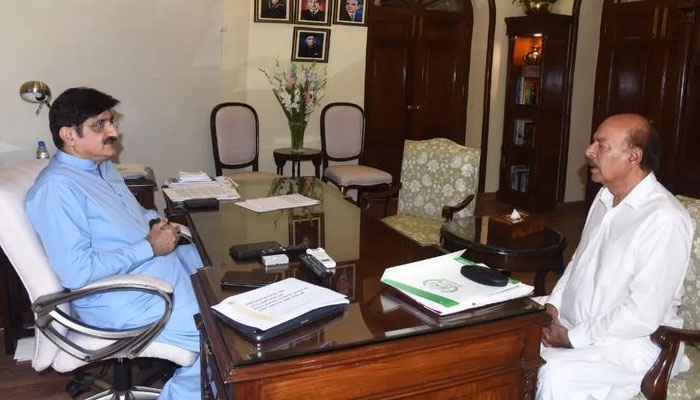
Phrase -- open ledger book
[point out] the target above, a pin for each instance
(438, 285)
(279, 307)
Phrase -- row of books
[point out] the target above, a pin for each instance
(526, 90)
(523, 132)
(519, 177)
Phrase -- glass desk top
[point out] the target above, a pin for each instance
(362, 247)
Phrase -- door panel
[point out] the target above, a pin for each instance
(440, 94)
(386, 93)
(416, 76)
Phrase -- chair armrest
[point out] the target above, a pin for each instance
(367, 197)
(655, 382)
(127, 342)
(449, 211)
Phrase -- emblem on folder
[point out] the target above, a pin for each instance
(442, 285)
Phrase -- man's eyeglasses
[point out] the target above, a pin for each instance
(99, 125)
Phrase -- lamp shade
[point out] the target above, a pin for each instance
(35, 92)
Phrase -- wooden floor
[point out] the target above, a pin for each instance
(20, 381)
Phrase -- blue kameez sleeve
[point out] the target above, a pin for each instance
(57, 214)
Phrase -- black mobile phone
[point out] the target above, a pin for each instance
(247, 279)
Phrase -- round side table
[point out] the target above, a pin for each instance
(539, 253)
(285, 154)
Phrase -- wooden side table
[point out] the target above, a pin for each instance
(296, 157)
(539, 253)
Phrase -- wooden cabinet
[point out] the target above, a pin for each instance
(535, 143)
(416, 76)
(645, 66)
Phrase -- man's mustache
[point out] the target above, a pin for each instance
(110, 140)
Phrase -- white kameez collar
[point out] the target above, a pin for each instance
(636, 197)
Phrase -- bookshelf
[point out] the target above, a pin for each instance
(535, 141)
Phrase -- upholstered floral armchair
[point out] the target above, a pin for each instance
(439, 180)
(656, 384)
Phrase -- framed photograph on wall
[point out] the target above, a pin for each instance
(279, 11)
(313, 12)
(350, 12)
(307, 229)
(311, 44)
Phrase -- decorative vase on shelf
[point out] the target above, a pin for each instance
(297, 131)
(533, 57)
(537, 7)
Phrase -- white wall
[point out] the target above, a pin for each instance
(161, 58)
(171, 61)
(249, 46)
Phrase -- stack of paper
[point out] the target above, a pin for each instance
(131, 171)
(220, 189)
(438, 285)
(199, 176)
(190, 179)
(278, 302)
(278, 202)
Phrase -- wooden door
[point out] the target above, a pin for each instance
(418, 54)
(389, 66)
(624, 56)
(686, 163)
(441, 75)
(638, 69)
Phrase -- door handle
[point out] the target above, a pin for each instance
(418, 107)
(409, 107)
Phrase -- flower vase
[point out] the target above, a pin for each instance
(297, 130)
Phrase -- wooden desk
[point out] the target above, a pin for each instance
(381, 347)
(283, 155)
(15, 308)
(539, 253)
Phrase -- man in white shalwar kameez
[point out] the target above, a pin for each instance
(626, 276)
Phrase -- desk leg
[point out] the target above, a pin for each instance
(296, 169)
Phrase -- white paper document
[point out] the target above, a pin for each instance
(278, 302)
(278, 202)
(438, 285)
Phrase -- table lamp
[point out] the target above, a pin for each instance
(36, 92)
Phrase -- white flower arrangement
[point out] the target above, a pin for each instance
(299, 90)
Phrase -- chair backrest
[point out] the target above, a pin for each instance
(342, 132)
(23, 247)
(690, 308)
(234, 135)
(436, 173)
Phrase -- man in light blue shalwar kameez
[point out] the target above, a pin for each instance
(92, 227)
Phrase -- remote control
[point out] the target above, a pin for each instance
(315, 266)
(271, 251)
(294, 251)
(323, 257)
